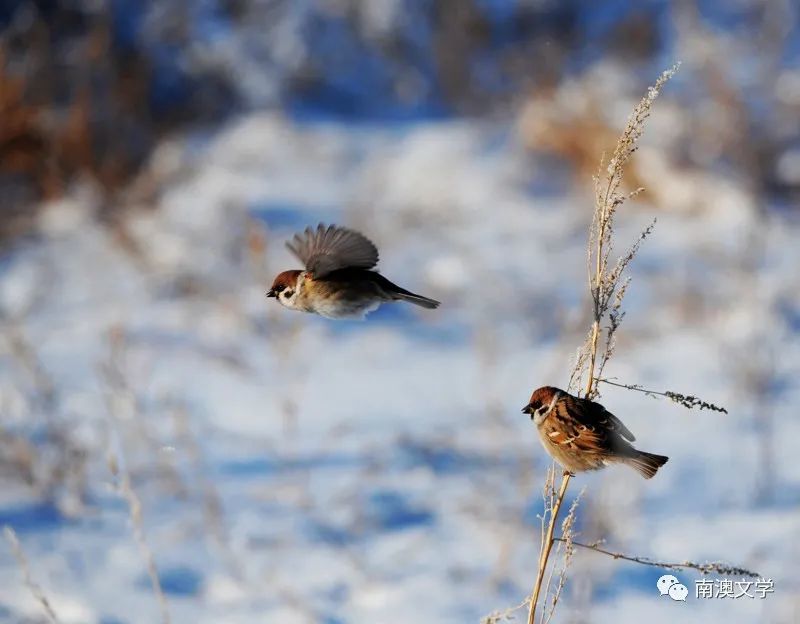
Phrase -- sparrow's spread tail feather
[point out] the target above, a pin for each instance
(646, 464)
(424, 302)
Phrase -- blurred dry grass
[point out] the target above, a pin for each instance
(74, 106)
(81, 102)
(744, 126)
(43, 455)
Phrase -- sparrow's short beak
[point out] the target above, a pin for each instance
(272, 293)
(528, 409)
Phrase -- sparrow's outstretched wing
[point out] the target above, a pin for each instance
(584, 425)
(327, 249)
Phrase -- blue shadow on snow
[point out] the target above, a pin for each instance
(32, 518)
(176, 581)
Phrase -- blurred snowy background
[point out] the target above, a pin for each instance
(155, 155)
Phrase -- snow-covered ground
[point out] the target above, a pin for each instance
(294, 469)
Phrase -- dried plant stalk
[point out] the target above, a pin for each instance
(547, 546)
(686, 400)
(124, 488)
(121, 403)
(607, 289)
(35, 589)
(718, 567)
(606, 284)
(567, 537)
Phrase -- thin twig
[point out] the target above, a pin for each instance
(550, 487)
(704, 568)
(507, 614)
(548, 545)
(35, 589)
(687, 400)
(567, 533)
(127, 492)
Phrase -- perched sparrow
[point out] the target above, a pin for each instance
(582, 435)
(337, 281)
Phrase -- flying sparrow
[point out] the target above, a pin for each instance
(337, 281)
(582, 435)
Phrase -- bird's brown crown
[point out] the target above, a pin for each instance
(543, 395)
(284, 280)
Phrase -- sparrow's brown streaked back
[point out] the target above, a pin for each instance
(582, 435)
(337, 281)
